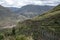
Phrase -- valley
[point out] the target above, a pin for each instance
(11, 16)
(29, 23)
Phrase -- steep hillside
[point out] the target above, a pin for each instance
(43, 27)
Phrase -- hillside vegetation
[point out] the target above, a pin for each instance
(42, 27)
(45, 26)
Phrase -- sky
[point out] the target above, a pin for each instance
(20, 3)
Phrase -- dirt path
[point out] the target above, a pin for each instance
(8, 27)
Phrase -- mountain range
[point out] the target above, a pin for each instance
(31, 10)
(11, 15)
(9, 18)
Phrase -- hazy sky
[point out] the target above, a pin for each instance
(20, 3)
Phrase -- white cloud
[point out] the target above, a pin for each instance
(19, 3)
(9, 1)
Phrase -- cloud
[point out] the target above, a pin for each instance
(20, 3)
(9, 1)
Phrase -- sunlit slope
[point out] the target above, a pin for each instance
(55, 11)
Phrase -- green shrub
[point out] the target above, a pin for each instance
(13, 30)
(21, 37)
(1, 36)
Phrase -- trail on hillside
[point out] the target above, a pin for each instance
(7, 27)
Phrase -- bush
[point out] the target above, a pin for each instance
(21, 37)
(1, 36)
(13, 30)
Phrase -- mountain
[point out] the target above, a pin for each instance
(42, 27)
(13, 9)
(9, 18)
(32, 10)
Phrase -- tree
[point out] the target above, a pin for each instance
(13, 30)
